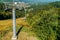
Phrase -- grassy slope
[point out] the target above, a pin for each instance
(25, 33)
(7, 23)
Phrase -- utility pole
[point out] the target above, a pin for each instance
(14, 21)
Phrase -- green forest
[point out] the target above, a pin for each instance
(44, 19)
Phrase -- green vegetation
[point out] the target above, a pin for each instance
(44, 20)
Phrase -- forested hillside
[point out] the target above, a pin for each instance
(43, 19)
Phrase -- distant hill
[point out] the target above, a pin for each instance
(56, 4)
(28, 1)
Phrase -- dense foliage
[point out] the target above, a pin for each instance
(45, 22)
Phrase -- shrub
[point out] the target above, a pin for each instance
(45, 23)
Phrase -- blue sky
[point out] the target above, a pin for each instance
(39, 0)
(33, 0)
(43, 0)
(48, 0)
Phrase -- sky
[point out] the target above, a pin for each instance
(44, 0)
(48, 0)
(39, 0)
(34, 0)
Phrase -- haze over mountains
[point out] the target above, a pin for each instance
(31, 1)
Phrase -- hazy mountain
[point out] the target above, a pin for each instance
(31, 1)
